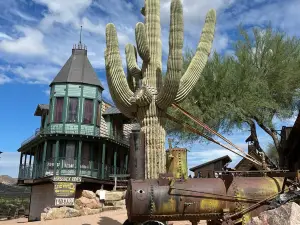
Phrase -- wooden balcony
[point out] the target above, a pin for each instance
(69, 167)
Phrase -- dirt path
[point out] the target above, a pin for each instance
(115, 217)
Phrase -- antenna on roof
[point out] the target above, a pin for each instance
(80, 35)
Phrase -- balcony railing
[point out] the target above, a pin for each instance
(83, 131)
(69, 167)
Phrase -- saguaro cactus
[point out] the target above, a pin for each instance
(144, 95)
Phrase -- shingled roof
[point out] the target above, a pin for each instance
(78, 69)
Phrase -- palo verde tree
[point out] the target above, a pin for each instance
(259, 83)
(143, 95)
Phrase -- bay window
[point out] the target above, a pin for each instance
(58, 111)
(73, 110)
(88, 111)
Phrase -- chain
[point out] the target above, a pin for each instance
(151, 200)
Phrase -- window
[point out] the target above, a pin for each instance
(58, 111)
(88, 111)
(85, 155)
(99, 115)
(73, 109)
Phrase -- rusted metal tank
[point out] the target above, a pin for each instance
(176, 162)
(196, 199)
(249, 190)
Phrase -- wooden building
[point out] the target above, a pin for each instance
(290, 145)
(246, 165)
(207, 170)
(81, 140)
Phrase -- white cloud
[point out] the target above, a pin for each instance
(29, 44)
(23, 15)
(9, 164)
(4, 79)
(63, 11)
(47, 92)
(35, 73)
(5, 36)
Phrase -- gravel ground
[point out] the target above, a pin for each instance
(114, 217)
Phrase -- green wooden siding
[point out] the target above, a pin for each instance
(71, 128)
(59, 90)
(89, 92)
(87, 129)
(74, 90)
(99, 96)
(56, 128)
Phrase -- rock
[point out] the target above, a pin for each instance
(120, 203)
(84, 202)
(60, 213)
(88, 194)
(288, 214)
(114, 195)
(88, 211)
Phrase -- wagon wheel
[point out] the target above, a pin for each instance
(150, 222)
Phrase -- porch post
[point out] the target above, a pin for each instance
(21, 166)
(56, 157)
(34, 161)
(115, 160)
(92, 158)
(126, 162)
(79, 158)
(44, 159)
(103, 159)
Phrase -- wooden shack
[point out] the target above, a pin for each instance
(207, 170)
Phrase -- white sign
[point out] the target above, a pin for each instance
(64, 201)
(67, 179)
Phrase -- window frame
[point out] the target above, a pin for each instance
(84, 112)
(55, 110)
(68, 110)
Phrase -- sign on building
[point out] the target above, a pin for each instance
(66, 179)
(64, 193)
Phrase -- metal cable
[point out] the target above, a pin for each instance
(210, 138)
(211, 130)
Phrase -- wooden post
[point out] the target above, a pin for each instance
(56, 157)
(44, 159)
(137, 154)
(115, 187)
(115, 160)
(92, 158)
(35, 161)
(79, 158)
(126, 162)
(103, 160)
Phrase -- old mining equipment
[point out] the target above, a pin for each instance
(225, 200)
(232, 198)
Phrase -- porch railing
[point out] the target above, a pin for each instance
(69, 167)
(88, 132)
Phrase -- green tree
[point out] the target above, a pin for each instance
(272, 153)
(258, 83)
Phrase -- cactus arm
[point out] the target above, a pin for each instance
(142, 97)
(142, 42)
(115, 75)
(191, 76)
(131, 81)
(169, 91)
(131, 61)
(152, 70)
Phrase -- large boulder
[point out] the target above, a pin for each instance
(288, 214)
(84, 202)
(88, 194)
(88, 211)
(60, 213)
(114, 195)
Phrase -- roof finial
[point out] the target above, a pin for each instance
(80, 34)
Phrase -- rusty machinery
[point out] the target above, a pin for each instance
(226, 200)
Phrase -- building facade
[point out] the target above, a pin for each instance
(81, 138)
(207, 170)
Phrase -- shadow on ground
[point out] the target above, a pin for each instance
(108, 221)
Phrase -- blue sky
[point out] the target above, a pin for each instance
(36, 38)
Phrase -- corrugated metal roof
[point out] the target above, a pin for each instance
(212, 161)
(78, 69)
(40, 108)
(112, 110)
